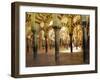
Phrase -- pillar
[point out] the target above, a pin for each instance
(85, 44)
(57, 42)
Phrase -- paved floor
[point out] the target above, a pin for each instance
(48, 59)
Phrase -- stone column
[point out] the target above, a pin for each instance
(71, 46)
(46, 42)
(35, 44)
(56, 27)
(70, 28)
(85, 45)
(40, 41)
(57, 42)
(34, 30)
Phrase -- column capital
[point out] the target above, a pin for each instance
(56, 27)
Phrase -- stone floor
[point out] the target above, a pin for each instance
(48, 59)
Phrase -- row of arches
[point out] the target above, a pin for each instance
(45, 35)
